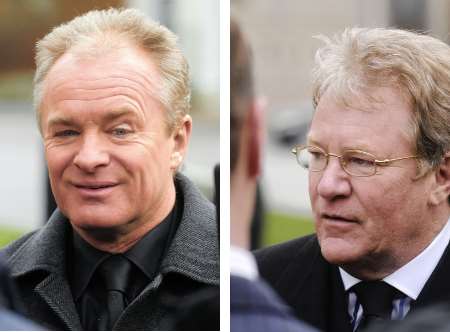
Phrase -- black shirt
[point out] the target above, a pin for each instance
(146, 256)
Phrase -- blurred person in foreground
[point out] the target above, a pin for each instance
(254, 306)
(379, 180)
(112, 95)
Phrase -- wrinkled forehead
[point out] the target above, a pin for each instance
(363, 90)
(375, 110)
(128, 63)
(127, 71)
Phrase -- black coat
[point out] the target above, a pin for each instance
(314, 288)
(11, 309)
(39, 261)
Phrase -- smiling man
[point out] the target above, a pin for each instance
(112, 96)
(378, 156)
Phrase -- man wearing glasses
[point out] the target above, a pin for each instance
(378, 157)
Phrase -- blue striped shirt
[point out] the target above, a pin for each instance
(400, 307)
(409, 279)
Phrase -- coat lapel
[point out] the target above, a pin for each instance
(338, 317)
(56, 293)
(191, 263)
(437, 288)
(311, 286)
(41, 261)
(194, 251)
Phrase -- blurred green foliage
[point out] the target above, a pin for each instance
(278, 228)
(281, 227)
(8, 235)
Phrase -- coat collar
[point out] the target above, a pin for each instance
(44, 250)
(194, 251)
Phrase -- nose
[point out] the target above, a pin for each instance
(334, 181)
(92, 154)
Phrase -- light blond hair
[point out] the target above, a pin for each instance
(418, 65)
(99, 31)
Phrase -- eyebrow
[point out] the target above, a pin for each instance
(120, 112)
(69, 120)
(365, 148)
(62, 120)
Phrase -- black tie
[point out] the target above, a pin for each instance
(376, 300)
(115, 272)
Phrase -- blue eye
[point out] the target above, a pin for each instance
(120, 132)
(66, 133)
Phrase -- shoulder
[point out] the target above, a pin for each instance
(193, 197)
(194, 250)
(245, 292)
(12, 321)
(283, 253)
(288, 260)
(16, 246)
(255, 306)
(41, 248)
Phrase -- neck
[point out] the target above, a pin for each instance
(112, 240)
(242, 202)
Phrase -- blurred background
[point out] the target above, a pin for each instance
(23, 177)
(281, 35)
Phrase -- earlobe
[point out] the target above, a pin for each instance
(442, 190)
(181, 137)
(176, 160)
(440, 195)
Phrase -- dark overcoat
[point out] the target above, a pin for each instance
(314, 289)
(39, 265)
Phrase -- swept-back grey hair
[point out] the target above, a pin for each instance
(418, 65)
(100, 31)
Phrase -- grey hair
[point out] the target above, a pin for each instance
(99, 30)
(419, 65)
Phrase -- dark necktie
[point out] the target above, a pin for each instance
(376, 299)
(115, 273)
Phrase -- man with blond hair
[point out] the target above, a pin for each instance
(130, 232)
(378, 157)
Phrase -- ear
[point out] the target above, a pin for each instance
(181, 136)
(255, 139)
(442, 190)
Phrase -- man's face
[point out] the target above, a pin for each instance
(373, 221)
(110, 155)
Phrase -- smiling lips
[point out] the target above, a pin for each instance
(95, 189)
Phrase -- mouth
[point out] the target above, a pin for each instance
(95, 186)
(338, 218)
(95, 189)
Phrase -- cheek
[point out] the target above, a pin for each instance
(57, 161)
(389, 207)
(146, 164)
(313, 180)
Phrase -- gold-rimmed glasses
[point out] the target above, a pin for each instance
(354, 162)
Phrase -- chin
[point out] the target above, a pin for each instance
(89, 220)
(338, 251)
